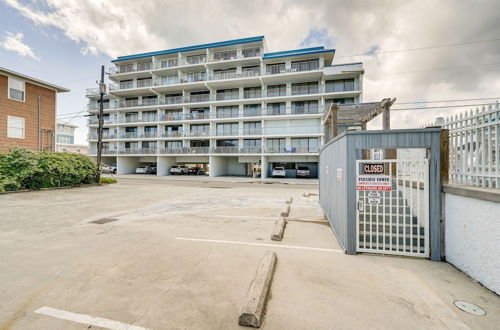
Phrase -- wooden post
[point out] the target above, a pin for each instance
(444, 157)
(334, 120)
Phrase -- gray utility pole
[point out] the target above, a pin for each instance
(102, 91)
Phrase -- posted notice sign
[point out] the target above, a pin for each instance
(373, 177)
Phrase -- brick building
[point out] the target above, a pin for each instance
(27, 112)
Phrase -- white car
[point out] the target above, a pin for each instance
(178, 169)
(279, 172)
(141, 170)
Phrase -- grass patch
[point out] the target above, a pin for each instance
(107, 181)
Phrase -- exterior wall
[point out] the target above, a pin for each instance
(472, 238)
(29, 111)
(164, 164)
(73, 148)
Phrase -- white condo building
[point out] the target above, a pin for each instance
(228, 106)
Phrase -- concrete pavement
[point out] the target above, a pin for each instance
(182, 254)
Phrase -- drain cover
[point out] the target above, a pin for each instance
(103, 221)
(469, 308)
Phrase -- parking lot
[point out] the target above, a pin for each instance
(182, 252)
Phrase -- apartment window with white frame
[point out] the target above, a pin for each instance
(16, 89)
(15, 127)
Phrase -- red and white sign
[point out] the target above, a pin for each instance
(374, 182)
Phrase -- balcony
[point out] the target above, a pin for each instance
(252, 94)
(128, 151)
(304, 110)
(305, 90)
(198, 133)
(227, 132)
(196, 150)
(172, 100)
(250, 150)
(305, 66)
(169, 63)
(252, 131)
(227, 114)
(169, 134)
(224, 96)
(196, 59)
(169, 117)
(197, 116)
(144, 83)
(225, 150)
(199, 98)
(129, 135)
(92, 92)
(170, 151)
(127, 68)
(148, 135)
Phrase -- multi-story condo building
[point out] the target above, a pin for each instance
(230, 105)
(65, 139)
(27, 112)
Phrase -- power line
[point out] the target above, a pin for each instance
(442, 107)
(434, 69)
(443, 101)
(423, 48)
(78, 79)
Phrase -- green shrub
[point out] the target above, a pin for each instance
(107, 180)
(25, 169)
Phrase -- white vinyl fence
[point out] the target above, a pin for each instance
(474, 147)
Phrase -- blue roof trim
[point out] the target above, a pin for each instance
(297, 52)
(189, 48)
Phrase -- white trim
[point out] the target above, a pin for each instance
(9, 118)
(11, 80)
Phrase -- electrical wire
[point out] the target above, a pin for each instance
(422, 48)
(442, 107)
(442, 101)
(433, 69)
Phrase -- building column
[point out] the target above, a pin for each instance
(264, 167)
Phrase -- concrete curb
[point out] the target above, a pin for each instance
(83, 185)
(278, 230)
(253, 311)
(285, 211)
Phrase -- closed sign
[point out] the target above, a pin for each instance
(372, 168)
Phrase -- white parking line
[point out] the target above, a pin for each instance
(260, 244)
(87, 319)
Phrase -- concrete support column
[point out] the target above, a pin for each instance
(164, 163)
(218, 166)
(264, 167)
(126, 165)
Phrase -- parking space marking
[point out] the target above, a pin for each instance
(260, 244)
(87, 319)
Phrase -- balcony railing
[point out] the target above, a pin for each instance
(199, 98)
(129, 135)
(168, 134)
(225, 150)
(223, 96)
(148, 135)
(144, 83)
(170, 116)
(305, 66)
(227, 132)
(169, 63)
(250, 150)
(252, 131)
(252, 94)
(172, 100)
(197, 133)
(92, 92)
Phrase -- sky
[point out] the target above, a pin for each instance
(414, 51)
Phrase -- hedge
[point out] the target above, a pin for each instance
(25, 169)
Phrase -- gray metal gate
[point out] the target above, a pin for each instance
(392, 215)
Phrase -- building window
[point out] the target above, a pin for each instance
(16, 89)
(15, 127)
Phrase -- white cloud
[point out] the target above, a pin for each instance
(121, 27)
(14, 42)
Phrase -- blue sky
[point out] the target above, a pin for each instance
(60, 62)
(66, 41)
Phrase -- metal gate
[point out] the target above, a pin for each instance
(393, 206)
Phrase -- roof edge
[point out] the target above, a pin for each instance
(189, 48)
(36, 81)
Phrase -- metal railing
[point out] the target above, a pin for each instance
(204, 150)
(225, 150)
(199, 98)
(168, 134)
